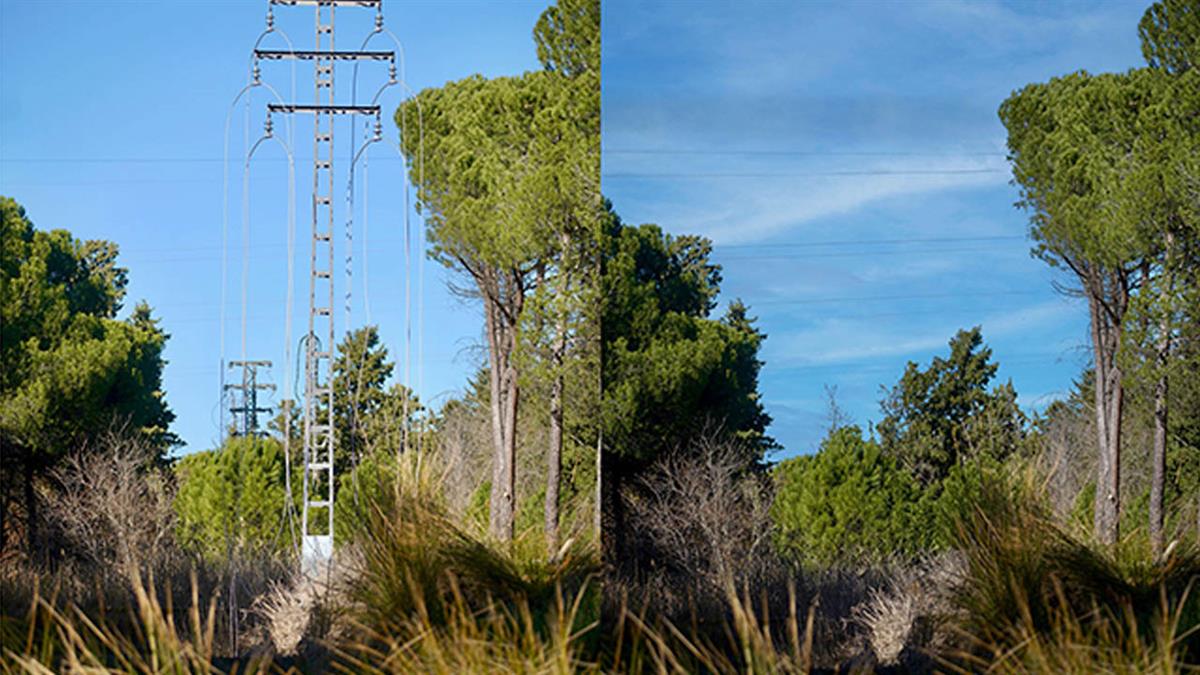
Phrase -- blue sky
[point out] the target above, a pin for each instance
(112, 126)
(847, 161)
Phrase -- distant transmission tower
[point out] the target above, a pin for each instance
(245, 414)
(318, 494)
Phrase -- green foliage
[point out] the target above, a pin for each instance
(1170, 33)
(70, 369)
(1066, 139)
(233, 498)
(477, 135)
(369, 416)
(476, 513)
(670, 371)
(360, 370)
(959, 493)
(358, 490)
(941, 416)
(848, 503)
(568, 37)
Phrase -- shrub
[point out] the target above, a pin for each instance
(848, 503)
(233, 497)
(704, 520)
(113, 511)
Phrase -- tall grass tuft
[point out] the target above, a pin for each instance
(66, 639)
(427, 594)
(1036, 599)
(751, 643)
(494, 638)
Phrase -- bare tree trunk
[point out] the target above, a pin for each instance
(503, 297)
(1106, 338)
(1159, 460)
(1159, 475)
(508, 491)
(496, 511)
(554, 452)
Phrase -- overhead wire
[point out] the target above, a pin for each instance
(717, 245)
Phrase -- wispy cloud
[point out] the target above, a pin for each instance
(842, 340)
(767, 207)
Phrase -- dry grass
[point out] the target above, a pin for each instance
(906, 619)
(1035, 599)
(69, 640)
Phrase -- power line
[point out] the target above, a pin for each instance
(857, 254)
(796, 153)
(854, 242)
(903, 296)
(803, 174)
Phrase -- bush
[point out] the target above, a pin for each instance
(113, 511)
(702, 519)
(848, 503)
(234, 498)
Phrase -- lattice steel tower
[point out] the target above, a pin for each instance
(245, 413)
(318, 494)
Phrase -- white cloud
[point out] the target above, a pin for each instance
(853, 340)
(759, 208)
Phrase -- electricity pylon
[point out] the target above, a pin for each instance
(319, 430)
(246, 412)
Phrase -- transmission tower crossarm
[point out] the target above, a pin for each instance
(333, 109)
(281, 54)
(328, 3)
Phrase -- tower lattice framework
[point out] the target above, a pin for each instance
(318, 408)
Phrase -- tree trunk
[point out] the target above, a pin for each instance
(497, 515)
(1159, 472)
(1106, 339)
(1162, 357)
(554, 451)
(503, 297)
(508, 491)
